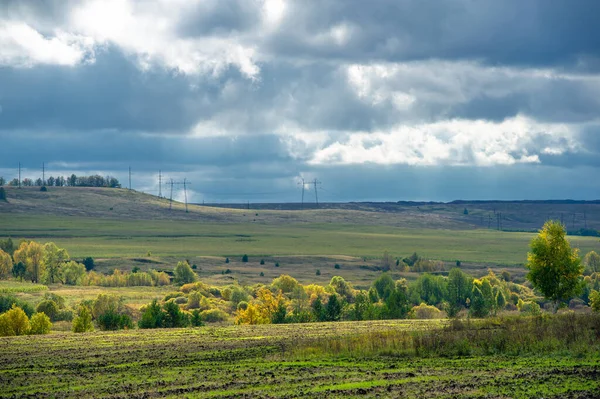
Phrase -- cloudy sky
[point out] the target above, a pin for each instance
(379, 100)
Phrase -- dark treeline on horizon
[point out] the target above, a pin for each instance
(70, 181)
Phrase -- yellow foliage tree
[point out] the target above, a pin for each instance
(31, 254)
(5, 265)
(14, 322)
(251, 315)
(40, 324)
(268, 303)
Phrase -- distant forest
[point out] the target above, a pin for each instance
(71, 181)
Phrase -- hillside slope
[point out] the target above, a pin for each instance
(107, 203)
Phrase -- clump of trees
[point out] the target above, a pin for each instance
(72, 181)
(16, 322)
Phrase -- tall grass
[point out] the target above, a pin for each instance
(569, 333)
(13, 287)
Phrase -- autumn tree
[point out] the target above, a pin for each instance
(459, 289)
(554, 267)
(54, 259)
(72, 272)
(83, 321)
(14, 322)
(184, 273)
(6, 265)
(31, 254)
(39, 324)
(591, 262)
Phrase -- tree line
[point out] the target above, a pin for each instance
(61, 181)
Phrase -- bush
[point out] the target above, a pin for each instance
(262, 274)
(64, 315)
(83, 322)
(184, 274)
(152, 316)
(213, 315)
(337, 266)
(196, 318)
(424, 311)
(245, 258)
(226, 260)
(276, 264)
(40, 324)
(112, 320)
(2, 194)
(173, 316)
(14, 322)
(262, 261)
(48, 307)
(8, 301)
(242, 305)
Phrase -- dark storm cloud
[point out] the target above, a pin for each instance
(109, 94)
(536, 32)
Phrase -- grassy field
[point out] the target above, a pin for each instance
(110, 238)
(275, 361)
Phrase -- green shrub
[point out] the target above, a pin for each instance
(262, 261)
(173, 316)
(40, 324)
(184, 273)
(112, 320)
(8, 301)
(242, 305)
(152, 316)
(196, 318)
(64, 315)
(213, 315)
(318, 273)
(83, 322)
(245, 258)
(49, 307)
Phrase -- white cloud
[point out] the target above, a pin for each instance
(148, 31)
(21, 45)
(453, 142)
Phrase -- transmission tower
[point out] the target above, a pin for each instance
(159, 184)
(315, 182)
(184, 183)
(303, 184)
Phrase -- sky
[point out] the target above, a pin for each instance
(384, 100)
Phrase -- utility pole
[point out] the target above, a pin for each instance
(19, 174)
(302, 203)
(159, 184)
(130, 178)
(315, 182)
(43, 173)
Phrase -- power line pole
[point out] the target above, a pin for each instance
(130, 178)
(19, 174)
(43, 173)
(315, 182)
(159, 184)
